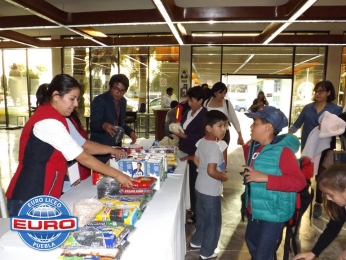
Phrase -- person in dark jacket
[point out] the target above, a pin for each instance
(193, 125)
(108, 110)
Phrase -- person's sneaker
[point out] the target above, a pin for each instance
(317, 211)
(194, 246)
(216, 252)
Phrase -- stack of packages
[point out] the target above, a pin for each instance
(105, 224)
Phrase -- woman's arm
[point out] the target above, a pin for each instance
(299, 122)
(94, 164)
(94, 148)
(232, 117)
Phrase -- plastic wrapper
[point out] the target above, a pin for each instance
(94, 254)
(126, 202)
(126, 216)
(144, 182)
(107, 186)
(119, 134)
(131, 191)
(98, 235)
(86, 210)
(175, 127)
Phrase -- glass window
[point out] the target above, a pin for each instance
(206, 65)
(257, 60)
(39, 70)
(3, 89)
(308, 70)
(17, 99)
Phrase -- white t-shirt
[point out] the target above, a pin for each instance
(209, 151)
(74, 133)
(53, 132)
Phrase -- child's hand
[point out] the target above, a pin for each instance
(224, 176)
(252, 175)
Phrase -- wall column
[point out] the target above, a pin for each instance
(184, 64)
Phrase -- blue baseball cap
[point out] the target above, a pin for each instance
(273, 116)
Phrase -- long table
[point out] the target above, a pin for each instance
(160, 232)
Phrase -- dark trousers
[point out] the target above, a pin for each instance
(192, 179)
(261, 238)
(319, 195)
(13, 207)
(208, 223)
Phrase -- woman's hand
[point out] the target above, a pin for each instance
(343, 256)
(124, 180)
(133, 137)
(118, 154)
(305, 256)
(180, 134)
(252, 175)
(240, 140)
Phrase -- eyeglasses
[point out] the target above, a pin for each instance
(320, 91)
(119, 90)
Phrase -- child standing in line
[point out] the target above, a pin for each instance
(273, 179)
(211, 172)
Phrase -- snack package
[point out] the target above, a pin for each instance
(144, 182)
(94, 254)
(125, 202)
(86, 210)
(131, 191)
(107, 186)
(97, 235)
(126, 216)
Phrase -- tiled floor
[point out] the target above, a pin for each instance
(231, 244)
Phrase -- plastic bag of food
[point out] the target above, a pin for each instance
(98, 235)
(107, 186)
(175, 127)
(126, 216)
(86, 210)
(125, 202)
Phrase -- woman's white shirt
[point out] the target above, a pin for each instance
(53, 132)
(190, 118)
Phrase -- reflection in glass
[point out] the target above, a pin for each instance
(206, 65)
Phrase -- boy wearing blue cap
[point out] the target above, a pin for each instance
(273, 179)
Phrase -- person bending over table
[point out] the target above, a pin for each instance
(193, 124)
(108, 110)
(46, 146)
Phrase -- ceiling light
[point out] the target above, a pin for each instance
(181, 29)
(301, 10)
(240, 34)
(207, 34)
(93, 32)
(168, 20)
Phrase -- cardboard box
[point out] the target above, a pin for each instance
(154, 168)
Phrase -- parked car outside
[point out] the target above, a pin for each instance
(240, 107)
(154, 104)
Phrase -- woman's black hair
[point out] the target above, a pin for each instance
(218, 87)
(196, 92)
(62, 83)
(327, 86)
(41, 94)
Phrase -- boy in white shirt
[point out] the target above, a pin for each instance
(211, 165)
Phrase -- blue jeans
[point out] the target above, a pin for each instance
(208, 223)
(262, 237)
(13, 207)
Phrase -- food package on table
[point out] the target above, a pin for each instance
(125, 202)
(93, 253)
(107, 186)
(126, 216)
(144, 182)
(132, 191)
(175, 127)
(86, 210)
(98, 235)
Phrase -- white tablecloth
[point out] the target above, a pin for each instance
(160, 233)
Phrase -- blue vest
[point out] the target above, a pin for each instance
(270, 205)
